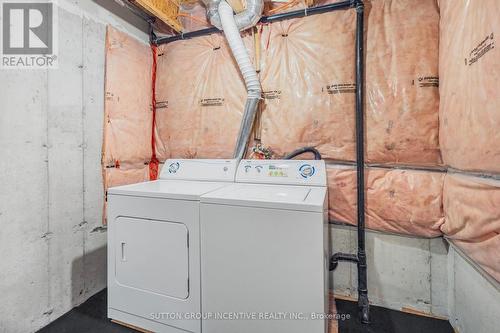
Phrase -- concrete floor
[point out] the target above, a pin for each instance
(90, 317)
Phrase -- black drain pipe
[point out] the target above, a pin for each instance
(360, 257)
(363, 302)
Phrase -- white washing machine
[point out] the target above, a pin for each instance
(154, 245)
(264, 250)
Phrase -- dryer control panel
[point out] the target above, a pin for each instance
(290, 172)
(197, 169)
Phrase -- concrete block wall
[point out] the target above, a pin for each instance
(430, 276)
(404, 273)
(474, 296)
(52, 243)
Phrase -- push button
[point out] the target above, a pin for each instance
(307, 170)
(173, 167)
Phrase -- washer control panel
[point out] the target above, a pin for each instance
(293, 172)
(209, 170)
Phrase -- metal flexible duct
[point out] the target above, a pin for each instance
(232, 32)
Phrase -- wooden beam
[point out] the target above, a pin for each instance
(237, 5)
(165, 10)
(130, 326)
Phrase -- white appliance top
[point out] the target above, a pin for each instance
(292, 197)
(199, 169)
(286, 172)
(169, 189)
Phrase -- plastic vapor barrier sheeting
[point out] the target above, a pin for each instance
(397, 201)
(470, 68)
(200, 98)
(127, 108)
(126, 174)
(307, 80)
(471, 205)
(469, 126)
(307, 75)
(402, 83)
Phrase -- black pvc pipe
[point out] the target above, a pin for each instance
(339, 256)
(187, 35)
(303, 150)
(360, 258)
(363, 302)
(308, 11)
(264, 19)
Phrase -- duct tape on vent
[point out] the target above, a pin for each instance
(339, 88)
(485, 46)
(211, 101)
(426, 82)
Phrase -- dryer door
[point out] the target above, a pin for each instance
(152, 256)
(154, 263)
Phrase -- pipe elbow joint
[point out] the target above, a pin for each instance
(359, 5)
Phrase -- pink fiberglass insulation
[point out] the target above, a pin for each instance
(126, 174)
(127, 106)
(398, 201)
(307, 69)
(470, 72)
(308, 81)
(472, 211)
(402, 94)
(200, 98)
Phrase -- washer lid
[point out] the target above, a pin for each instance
(304, 198)
(171, 189)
